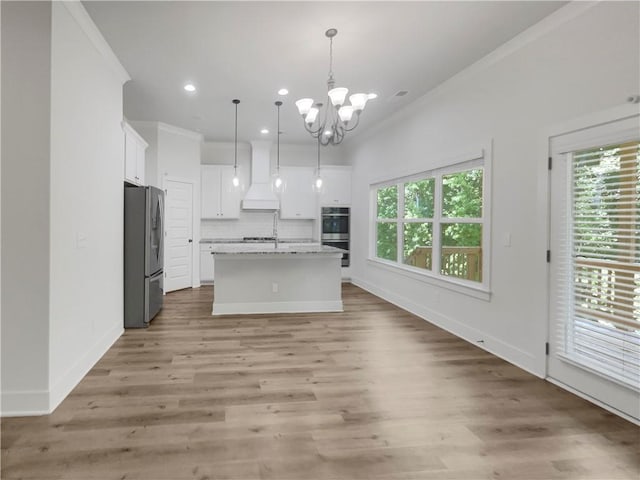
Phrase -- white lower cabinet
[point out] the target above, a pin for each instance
(298, 200)
(206, 263)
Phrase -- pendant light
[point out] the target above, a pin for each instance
(318, 182)
(278, 181)
(236, 180)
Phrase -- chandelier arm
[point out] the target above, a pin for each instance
(313, 132)
(339, 135)
(354, 125)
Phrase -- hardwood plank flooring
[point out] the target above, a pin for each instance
(370, 393)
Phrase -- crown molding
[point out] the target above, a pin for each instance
(128, 129)
(82, 18)
(165, 127)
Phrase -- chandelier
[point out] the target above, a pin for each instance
(337, 118)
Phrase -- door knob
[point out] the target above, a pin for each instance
(190, 240)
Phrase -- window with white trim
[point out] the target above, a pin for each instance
(434, 223)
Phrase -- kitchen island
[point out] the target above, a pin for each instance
(287, 278)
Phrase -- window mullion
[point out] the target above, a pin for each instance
(399, 225)
(437, 216)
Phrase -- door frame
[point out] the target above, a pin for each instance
(171, 178)
(570, 126)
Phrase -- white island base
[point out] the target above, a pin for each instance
(277, 282)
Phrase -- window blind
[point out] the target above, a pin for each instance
(600, 272)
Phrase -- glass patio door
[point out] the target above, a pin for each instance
(594, 334)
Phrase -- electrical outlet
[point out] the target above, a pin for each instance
(274, 287)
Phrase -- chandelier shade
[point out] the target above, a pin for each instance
(329, 122)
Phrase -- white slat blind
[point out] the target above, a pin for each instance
(600, 277)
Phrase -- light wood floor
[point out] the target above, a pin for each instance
(371, 393)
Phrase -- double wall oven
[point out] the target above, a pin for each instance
(335, 229)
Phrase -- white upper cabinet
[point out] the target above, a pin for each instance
(336, 185)
(298, 200)
(220, 199)
(134, 155)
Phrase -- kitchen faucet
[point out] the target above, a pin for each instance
(275, 229)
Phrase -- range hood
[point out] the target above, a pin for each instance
(260, 196)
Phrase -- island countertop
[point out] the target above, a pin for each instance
(270, 249)
(255, 240)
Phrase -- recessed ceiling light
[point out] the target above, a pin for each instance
(372, 96)
(264, 131)
(190, 87)
(327, 132)
(283, 91)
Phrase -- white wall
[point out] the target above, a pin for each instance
(86, 203)
(581, 59)
(26, 45)
(62, 190)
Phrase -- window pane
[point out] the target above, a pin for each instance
(461, 251)
(388, 202)
(387, 241)
(418, 199)
(462, 194)
(606, 236)
(418, 240)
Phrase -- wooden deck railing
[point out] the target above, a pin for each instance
(461, 262)
(608, 291)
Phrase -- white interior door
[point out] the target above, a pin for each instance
(178, 235)
(594, 331)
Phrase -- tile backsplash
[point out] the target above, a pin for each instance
(256, 224)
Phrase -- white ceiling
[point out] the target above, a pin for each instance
(248, 50)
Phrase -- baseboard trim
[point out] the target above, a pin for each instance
(25, 403)
(277, 307)
(77, 372)
(493, 345)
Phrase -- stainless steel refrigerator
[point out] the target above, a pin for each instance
(143, 254)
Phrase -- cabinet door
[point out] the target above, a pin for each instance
(130, 158)
(140, 163)
(336, 186)
(206, 266)
(210, 191)
(298, 200)
(230, 196)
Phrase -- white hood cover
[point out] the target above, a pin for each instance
(260, 196)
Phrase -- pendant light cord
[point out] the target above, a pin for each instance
(278, 148)
(318, 155)
(330, 57)
(235, 142)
